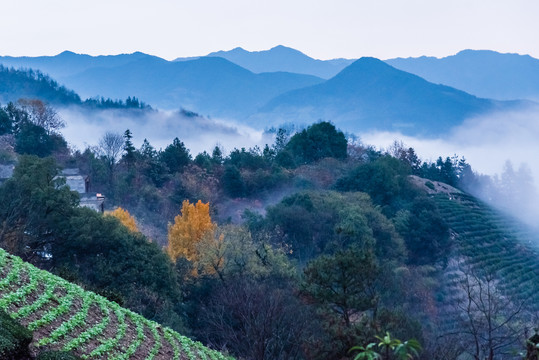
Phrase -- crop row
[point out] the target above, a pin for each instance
(490, 242)
(55, 298)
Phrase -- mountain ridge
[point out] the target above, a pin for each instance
(281, 58)
(370, 94)
(484, 73)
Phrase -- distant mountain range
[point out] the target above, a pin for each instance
(483, 73)
(208, 85)
(281, 58)
(212, 86)
(370, 94)
(69, 63)
(364, 94)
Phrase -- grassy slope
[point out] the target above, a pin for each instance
(63, 316)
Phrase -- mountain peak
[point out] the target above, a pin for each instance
(366, 66)
(283, 48)
(66, 53)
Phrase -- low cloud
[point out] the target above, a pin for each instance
(487, 142)
(85, 128)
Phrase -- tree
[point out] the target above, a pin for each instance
(129, 149)
(125, 218)
(231, 254)
(281, 139)
(343, 283)
(176, 156)
(233, 183)
(424, 230)
(532, 347)
(32, 139)
(34, 203)
(17, 116)
(490, 319)
(217, 155)
(406, 155)
(384, 179)
(111, 146)
(316, 222)
(43, 115)
(316, 142)
(154, 169)
(343, 287)
(189, 228)
(6, 124)
(256, 320)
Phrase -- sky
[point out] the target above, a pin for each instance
(320, 28)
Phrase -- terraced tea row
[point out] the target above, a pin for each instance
(65, 317)
(487, 240)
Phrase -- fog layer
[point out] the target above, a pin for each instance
(85, 128)
(490, 143)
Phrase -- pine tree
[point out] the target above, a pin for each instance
(129, 149)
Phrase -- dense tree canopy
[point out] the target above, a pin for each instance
(316, 142)
(34, 203)
(176, 156)
(324, 221)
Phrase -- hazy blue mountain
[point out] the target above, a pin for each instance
(282, 58)
(68, 63)
(483, 73)
(209, 85)
(370, 94)
(16, 84)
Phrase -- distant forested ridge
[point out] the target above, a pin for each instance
(18, 84)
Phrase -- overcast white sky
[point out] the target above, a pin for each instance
(322, 29)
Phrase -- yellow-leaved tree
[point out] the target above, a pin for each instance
(125, 218)
(189, 228)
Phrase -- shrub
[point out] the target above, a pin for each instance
(14, 338)
(56, 355)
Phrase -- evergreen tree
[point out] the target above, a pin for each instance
(233, 183)
(129, 149)
(316, 142)
(176, 156)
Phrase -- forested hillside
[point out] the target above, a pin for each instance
(16, 84)
(304, 249)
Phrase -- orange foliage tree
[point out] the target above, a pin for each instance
(125, 218)
(189, 228)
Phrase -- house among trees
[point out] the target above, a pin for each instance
(81, 184)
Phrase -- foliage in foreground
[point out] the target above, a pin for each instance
(388, 348)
